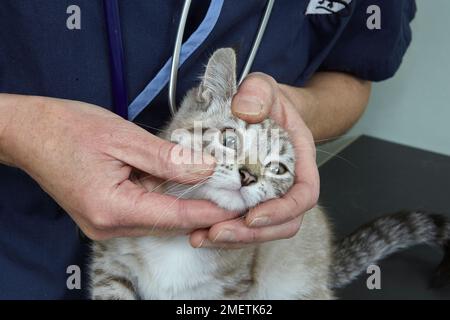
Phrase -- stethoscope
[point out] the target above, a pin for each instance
(117, 56)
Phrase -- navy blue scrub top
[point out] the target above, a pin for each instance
(39, 55)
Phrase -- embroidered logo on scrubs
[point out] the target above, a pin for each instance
(326, 6)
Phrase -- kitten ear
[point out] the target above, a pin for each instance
(219, 80)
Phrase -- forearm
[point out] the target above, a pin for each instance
(330, 103)
(18, 113)
(8, 107)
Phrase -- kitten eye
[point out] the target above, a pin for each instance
(229, 138)
(276, 168)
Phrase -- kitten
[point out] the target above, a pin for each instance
(307, 266)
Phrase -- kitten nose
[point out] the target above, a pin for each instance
(246, 177)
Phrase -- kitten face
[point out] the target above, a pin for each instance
(249, 180)
(255, 162)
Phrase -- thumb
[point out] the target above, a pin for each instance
(162, 158)
(254, 98)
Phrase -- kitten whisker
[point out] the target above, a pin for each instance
(149, 127)
(330, 138)
(205, 180)
(333, 155)
(172, 179)
(182, 186)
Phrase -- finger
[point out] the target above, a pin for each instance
(147, 181)
(138, 208)
(305, 192)
(208, 244)
(199, 239)
(161, 158)
(101, 235)
(306, 171)
(237, 232)
(129, 232)
(299, 199)
(255, 97)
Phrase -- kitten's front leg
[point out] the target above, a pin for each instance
(113, 287)
(110, 279)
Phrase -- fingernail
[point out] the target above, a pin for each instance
(249, 105)
(225, 236)
(260, 222)
(206, 244)
(200, 244)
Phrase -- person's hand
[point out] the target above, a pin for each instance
(260, 96)
(84, 157)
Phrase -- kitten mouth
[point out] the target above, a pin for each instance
(230, 196)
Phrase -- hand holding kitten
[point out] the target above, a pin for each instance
(82, 156)
(259, 97)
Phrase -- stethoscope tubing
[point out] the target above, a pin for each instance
(257, 42)
(176, 57)
(178, 44)
(116, 57)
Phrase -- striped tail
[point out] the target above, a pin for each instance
(386, 235)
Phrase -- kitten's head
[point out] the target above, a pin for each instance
(255, 162)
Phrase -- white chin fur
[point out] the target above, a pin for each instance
(225, 198)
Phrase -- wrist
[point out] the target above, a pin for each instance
(17, 112)
(8, 107)
(303, 100)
